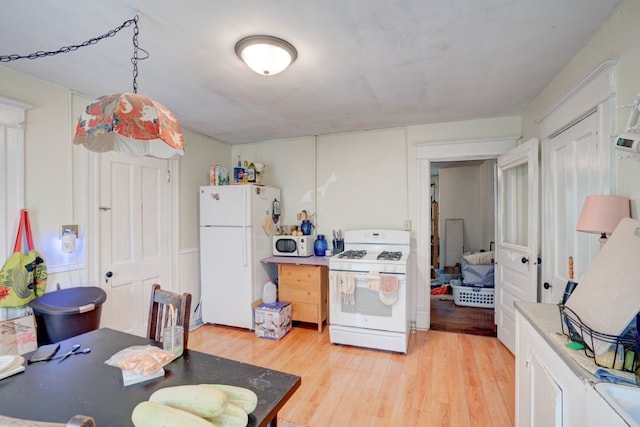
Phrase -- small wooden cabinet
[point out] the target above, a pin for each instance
(306, 288)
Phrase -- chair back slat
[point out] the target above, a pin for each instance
(160, 314)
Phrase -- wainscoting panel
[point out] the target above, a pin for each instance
(189, 281)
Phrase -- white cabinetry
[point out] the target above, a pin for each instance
(549, 392)
(600, 413)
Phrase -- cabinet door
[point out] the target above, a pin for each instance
(523, 372)
(546, 396)
(600, 413)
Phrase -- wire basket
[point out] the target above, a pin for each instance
(621, 353)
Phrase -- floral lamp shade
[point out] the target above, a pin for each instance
(131, 124)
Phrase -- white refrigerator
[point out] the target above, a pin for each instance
(236, 230)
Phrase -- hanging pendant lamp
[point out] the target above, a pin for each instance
(130, 123)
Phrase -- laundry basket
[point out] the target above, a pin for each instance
(473, 296)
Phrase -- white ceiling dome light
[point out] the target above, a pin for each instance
(266, 55)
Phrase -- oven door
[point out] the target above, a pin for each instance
(368, 307)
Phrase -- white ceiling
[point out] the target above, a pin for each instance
(362, 64)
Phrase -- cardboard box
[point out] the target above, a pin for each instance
(218, 175)
(273, 321)
(18, 336)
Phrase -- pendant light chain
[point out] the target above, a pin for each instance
(136, 57)
(92, 41)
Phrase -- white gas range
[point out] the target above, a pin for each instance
(368, 290)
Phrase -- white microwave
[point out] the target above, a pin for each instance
(293, 245)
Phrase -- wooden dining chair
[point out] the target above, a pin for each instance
(160, 312)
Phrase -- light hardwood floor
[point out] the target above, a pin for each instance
(446, 379)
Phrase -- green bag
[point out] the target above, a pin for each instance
(24, 276)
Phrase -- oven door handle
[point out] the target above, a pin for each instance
(363, 275)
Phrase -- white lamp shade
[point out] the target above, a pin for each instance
(266, 55)
(601, 214)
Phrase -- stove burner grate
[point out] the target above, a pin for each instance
(392, 256)
(351, 254)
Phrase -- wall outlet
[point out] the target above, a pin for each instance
(406, 225)
(73, 228)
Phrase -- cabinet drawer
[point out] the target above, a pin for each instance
(300, 276)
(303, 312)
(292, 293)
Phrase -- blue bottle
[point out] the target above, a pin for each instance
(320, 245)
(306, 227)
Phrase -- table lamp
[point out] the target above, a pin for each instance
(601, 214)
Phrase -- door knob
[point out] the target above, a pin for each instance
(108, 275)
(524, 260)
(547, 285)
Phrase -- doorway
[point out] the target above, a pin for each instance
(463, 225)
(427, 154)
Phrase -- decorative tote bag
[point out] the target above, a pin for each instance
(24, 276)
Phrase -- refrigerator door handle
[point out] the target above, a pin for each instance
(245, 215)
(245, 208)
(245, 250)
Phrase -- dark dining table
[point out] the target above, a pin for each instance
(84, 385)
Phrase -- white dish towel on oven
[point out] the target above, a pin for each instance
(373, 281)
(342, 287)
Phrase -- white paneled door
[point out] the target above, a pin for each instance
(134, 250)
(573, 169)
(517, 235)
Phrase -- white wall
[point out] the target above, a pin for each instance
(49, 170)
(618, 38)
(487, 207)
(201, 152)
(362, 180)
(466, 192)
(290, 166)
(349, 180)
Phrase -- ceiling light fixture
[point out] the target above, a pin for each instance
(266, 55)
(129, 123)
